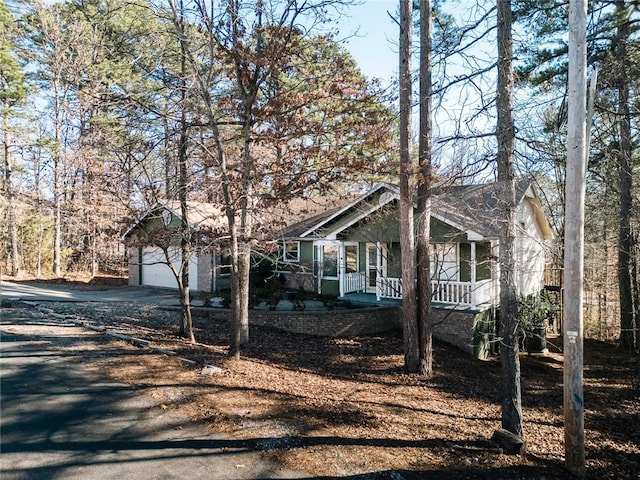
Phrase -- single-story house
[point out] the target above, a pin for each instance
(354, 252)
(357, 248)
(349, 247)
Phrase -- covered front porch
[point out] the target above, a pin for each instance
(474, 295)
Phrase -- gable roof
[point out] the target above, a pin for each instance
(202, 216)
(209, 217)
(475, 207)
(344, 212)
(467, 208)
(297, 215)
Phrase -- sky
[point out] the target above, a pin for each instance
(375, 45)
(375, 48)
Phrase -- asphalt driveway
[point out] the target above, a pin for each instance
(61, 421)
(61, 293)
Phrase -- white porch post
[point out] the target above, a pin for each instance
(473, 275)
(341, 268)
(378, 269)
(317, 251)
(495, 275)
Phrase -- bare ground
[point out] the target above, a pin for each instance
(344, 408)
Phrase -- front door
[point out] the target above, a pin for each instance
(376, 264)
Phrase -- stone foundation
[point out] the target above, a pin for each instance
(469, 330)
(330, 323)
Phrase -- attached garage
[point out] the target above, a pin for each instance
(155, 271)
(209, 264)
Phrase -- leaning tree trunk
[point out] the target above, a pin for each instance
(511, 395)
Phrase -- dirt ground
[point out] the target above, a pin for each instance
(344, 408)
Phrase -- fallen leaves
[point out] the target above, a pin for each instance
(345, 407)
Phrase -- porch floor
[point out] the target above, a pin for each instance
(370, 299)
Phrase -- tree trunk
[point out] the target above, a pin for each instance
(244, 267)
(636, 290)
(625, 243)
(511, 395)
(57, 191)
(239, 333)
(409, 301)
(186, 325)
(11, 199)
(425, 340)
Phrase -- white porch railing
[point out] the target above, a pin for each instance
(448, 292)
(388, 287)
(352, 282)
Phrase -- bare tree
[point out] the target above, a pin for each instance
(13, 92)
(625, 174)
(271, 114)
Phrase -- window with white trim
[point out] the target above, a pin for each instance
(444, 261)
(224, 265)
(330, 261)
(351, 258)
(291, 252)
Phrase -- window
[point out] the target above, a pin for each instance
(291, 251)
(444, 261)
(330, 261)
(351, 258)
(225, 262)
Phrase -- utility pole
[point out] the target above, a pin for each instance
(574, 241)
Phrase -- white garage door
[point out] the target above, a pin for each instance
(156, 272)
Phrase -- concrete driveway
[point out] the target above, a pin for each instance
(60, 420)
(61, 293)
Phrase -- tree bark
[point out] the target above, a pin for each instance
(625, 177)
(11, 199)
(185, 229)
(407, 243)
(511, 395)
(57, 190)
(425, 335)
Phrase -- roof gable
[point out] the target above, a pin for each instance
(471, 209)
(202, 217)
(353, 209)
